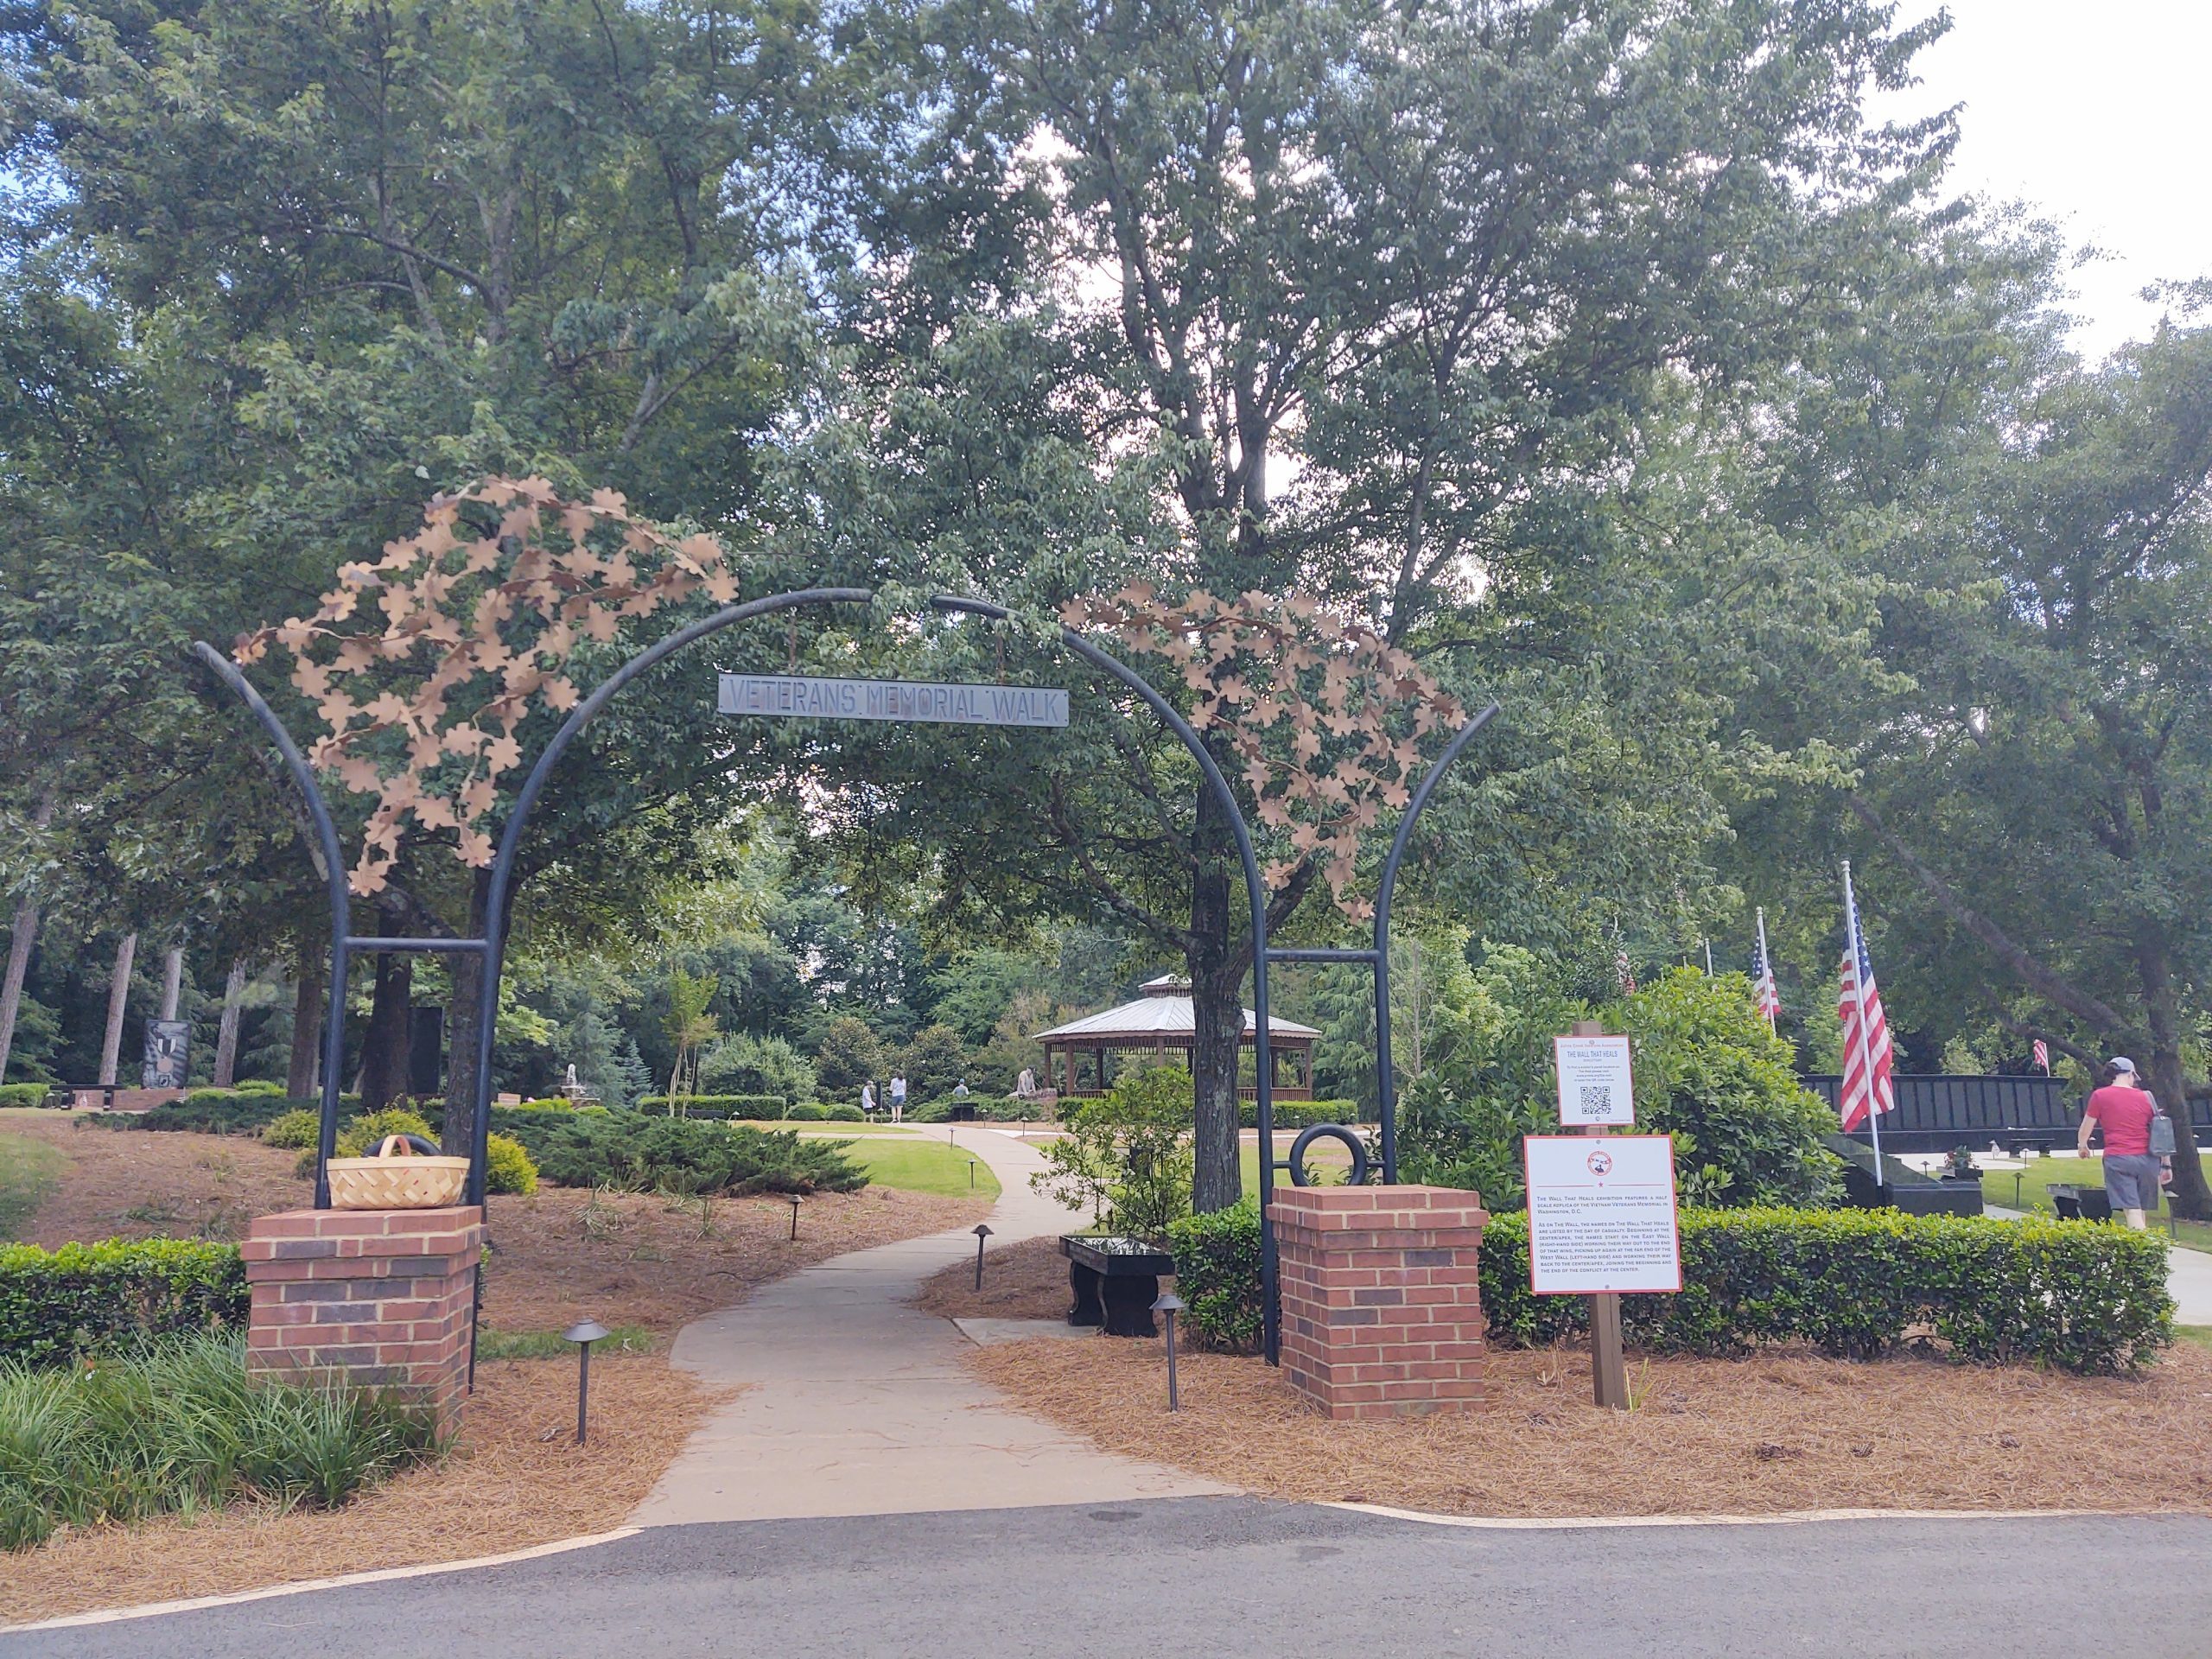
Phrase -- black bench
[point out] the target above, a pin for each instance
(1116, 1281)
(2072, 1202)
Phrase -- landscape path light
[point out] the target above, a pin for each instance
(583, 1334)
(971, 1174)
(983, 1232)
(796, 1202)
(1168, 1307)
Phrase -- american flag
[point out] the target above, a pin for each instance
(2043, 1056)
(1763, 985)
(1867, 1057)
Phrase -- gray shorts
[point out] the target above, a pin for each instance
(2132, 1180)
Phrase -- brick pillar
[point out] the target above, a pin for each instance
(1380, 1313)
(378, 1297)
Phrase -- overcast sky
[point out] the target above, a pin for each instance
(2099, 113)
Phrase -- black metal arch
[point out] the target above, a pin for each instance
(492, 945)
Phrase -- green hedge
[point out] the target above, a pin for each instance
(721, 1106)
(684, 1155)
(31, 1094)
(1302, 1114)
(1217, 1276)
(57, 1303)
(1862, 1283)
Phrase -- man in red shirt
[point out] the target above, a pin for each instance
(2123, 1111)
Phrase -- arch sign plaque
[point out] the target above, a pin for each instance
(807, 696)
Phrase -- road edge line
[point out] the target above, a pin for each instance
(270, 1591)
(1778, 1518)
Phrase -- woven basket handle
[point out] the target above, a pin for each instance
(406, 1146)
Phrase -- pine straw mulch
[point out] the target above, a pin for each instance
(1709, 1437)
(518, 1478)
(561, 1254)
(1027, 1279)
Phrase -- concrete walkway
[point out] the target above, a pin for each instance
(857, 1403)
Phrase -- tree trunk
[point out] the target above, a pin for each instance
(172, 980)
(118, 996)
(21, 937)
(226, 1032)
(2189, 1195)
(20, 940)
(384, 1045)
(1216, 971)
(458, 1130)
(303, 1073)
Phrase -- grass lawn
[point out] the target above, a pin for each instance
(2034, 1185)
(2199, 1334)
(28, 1171)
(915, 1165)
(818, 1126)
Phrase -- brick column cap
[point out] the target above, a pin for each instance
(1370, 1209)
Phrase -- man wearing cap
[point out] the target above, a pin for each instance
(2125, 1111)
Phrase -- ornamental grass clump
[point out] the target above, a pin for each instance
(178, 1427)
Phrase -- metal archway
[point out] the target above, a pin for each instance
(492, 946)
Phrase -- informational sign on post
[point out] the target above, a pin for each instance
(1601, 1214)
(1596, 1084)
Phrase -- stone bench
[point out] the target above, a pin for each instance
(1116, 1281)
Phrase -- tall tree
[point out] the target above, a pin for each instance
(1352, 300)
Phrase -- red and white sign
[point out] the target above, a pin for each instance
(1596, 1084)
(1601, 1214)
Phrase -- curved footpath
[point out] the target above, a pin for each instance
(856, 1402)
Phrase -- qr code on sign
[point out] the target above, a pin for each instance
(1598, 1098)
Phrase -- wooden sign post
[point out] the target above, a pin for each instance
(1608, 1364)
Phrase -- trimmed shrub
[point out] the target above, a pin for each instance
(507, 1166)
(678, 1155)
(1863, 1283)
(57, 1303)
(295, 1131)
(718, 1106)
(841, 1113)
(179, 1427)
(1217, 1276)
(552, 1103)
(258, 1086)
(1852, 1283)
(1302, 1114)
(28, 1094)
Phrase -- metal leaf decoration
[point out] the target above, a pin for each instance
(1324, 715)
(487, 602)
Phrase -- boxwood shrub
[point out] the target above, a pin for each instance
(29, 1094)
(1217, 1276)
(1302, 1114)
(1863, 1283)
(1852, 1283)
(57, 1303)
(684, 1155)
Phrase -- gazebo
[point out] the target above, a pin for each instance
(1079, 1056)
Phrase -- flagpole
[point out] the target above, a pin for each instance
(1858, 991)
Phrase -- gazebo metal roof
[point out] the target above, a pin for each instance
(1164, 1010)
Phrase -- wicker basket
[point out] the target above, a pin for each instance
(396, 1178)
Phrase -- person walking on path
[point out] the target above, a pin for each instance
(897, 1097)
(2124, 1110)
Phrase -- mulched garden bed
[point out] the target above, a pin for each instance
(1708, 1437)
(518, 1478)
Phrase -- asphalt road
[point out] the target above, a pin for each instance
(1236, 1577)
